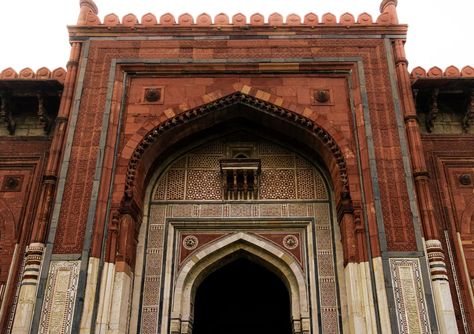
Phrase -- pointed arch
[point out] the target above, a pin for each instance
(327, 141)
(202, 263)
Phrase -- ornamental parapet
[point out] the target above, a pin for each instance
(257, 19)
(89, 17)
(29, 101)
(444, 99)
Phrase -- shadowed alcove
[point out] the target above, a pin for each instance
(242, 297)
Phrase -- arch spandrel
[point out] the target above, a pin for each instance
(141, 150)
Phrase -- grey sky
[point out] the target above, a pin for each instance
(33, 32)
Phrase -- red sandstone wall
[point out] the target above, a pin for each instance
(449, 158)
(396, 211)
(21, 160)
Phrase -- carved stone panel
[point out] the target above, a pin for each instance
(199, 175)
(60, 294)
(409, 296)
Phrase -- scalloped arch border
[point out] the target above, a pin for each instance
(178, 117)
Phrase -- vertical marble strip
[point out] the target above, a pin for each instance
(326, 268)
(120, 308)
(138, 276)
(90, 294)
(470, 287)
(153, 267)
(456, 281)
(2, 291)
(409, 294)
(105, 298)
(384, 310)
(356, 320)
(61, 289)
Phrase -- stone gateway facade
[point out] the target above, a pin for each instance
(237, 175)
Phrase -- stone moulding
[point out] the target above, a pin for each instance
(227, 101)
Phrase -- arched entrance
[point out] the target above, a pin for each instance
(218, 254)
(242, 297)
(240, 192)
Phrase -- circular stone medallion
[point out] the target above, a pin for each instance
(190, 242)
(290, 241)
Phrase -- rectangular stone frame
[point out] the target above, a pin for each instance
(127, 62)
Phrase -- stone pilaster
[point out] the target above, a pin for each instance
(441, 291)
(357, 278)
(29, 284)
(440, 286)
(121, 299)
(359, 299)
(105, 298)
(89, 298)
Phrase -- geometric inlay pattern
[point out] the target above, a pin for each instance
(197, 176)
(326, 269)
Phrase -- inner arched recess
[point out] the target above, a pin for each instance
(223, 121)
(242, 297)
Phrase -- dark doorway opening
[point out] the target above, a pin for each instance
(242, 298)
